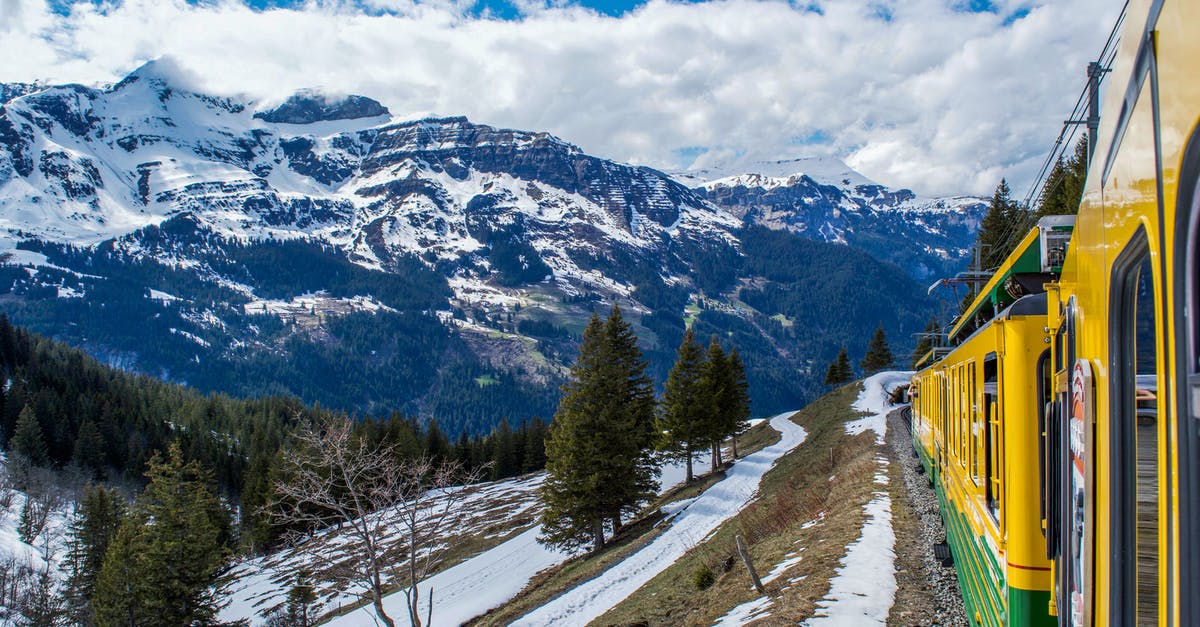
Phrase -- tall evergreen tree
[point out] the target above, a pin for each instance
(28, 440)
(683, 405)
(574, 513)
(631, 418)
(879, 354)
(535, 446)
(598, 458)
(1001, 228)
(715, 386)
(97, 519)
(739, 397)
(506, 460)
(173, 550)
(89, 448)
(1064, 185)
(839, 371)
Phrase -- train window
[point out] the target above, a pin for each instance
(978, 424)
(1045, 402)
(991, 434)
(1135, 438)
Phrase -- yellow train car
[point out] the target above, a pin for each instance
(976, 427)
(1123, 444)
(1089, 409)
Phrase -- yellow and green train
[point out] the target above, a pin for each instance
(1061, 424)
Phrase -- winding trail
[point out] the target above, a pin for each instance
(691, 526)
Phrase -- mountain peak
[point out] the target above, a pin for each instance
(164, 71)
(309, 105)
(824, 170)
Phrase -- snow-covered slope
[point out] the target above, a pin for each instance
(503, 509)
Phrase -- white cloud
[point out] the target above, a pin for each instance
(937, 99)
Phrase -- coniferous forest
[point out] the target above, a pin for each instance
(203, 467)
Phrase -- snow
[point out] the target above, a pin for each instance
(462, 591)
(744, 613)
(162, 296)
(782, 567)
(874, 401)
(590, 600)
(824, 170)
(862, 591)
(864, 588)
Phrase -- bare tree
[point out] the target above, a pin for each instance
(393, 508)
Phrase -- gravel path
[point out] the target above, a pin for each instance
(932, 596)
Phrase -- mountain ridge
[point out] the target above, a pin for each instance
(463, 259)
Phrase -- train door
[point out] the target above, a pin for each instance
(1186, 312)
(1137, 552)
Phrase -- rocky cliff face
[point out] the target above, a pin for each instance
(309, 247)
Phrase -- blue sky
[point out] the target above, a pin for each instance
(940, 96)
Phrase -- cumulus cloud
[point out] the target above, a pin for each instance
(917, 93)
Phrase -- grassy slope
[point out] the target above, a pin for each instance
(800, 488)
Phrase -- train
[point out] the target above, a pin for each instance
(1060, 421)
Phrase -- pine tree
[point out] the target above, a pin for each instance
(162, 566)
(683, 405)
(925, 344)
(598, 457)
(89, 448)
(1064, 185)
(28, 440)
(1002, 227)
(631, 418)
(535, 446)
(739, 398)
(879, 354)
(506, 461)
(839, 371)
(97, 519)
(300, 599)
(575, 507)
(119, 594)
(716, 391)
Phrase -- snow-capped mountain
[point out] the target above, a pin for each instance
(824, 199)
(322, 248)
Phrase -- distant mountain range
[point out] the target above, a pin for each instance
(440, 267)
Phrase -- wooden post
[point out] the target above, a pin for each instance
(749, 566)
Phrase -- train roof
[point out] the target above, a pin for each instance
(1028, 305)
(1035, 261)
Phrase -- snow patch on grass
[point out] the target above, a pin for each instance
(864, 588)
(874, 400)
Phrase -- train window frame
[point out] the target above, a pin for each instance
(992, 465)
(1123, 282)
(1045, 396)
(1186, 313)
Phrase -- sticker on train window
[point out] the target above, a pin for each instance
(1081, 418)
